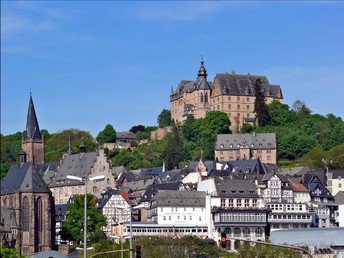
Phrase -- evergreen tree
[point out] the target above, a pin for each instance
(260, 108)
(107, 135)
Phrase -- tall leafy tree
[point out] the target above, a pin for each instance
(260, 108)
(137, 128)
(107, 135)
(164, 119)
(73, 227)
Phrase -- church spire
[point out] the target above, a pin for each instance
(202, 72)
(32, 127)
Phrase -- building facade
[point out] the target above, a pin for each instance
(246, 146)
(83, 164)
(24, 190)
(232, 93)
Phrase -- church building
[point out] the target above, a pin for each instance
(26, 202)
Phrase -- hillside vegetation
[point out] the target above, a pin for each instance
(303, 138)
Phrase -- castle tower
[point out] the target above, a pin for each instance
(33, 143)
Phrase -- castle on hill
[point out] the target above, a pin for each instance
(232, 93)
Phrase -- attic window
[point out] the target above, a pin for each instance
(223, 191)
(231, 145)
(241, 192)
(251, 192)
(181, 201)
(233, 191)
(222, 146)
(238, 145)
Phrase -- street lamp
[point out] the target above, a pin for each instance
(95, 178)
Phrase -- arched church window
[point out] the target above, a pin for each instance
(201, 97)
(25, 214)
(40, 219)
(206, 97)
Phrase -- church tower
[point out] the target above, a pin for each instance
(33, 142)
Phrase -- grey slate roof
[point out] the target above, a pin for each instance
(154, 188)
(236, 188)
(339, 198)
(7, 218)
(32, 127)
(75, 165)
(60, 212)
(48, 171)
(245, 166)
(23, 178)
(253, 141)
(208, 163)
(294, 171)
(106, 197)
(179, 198)
(243, 85)
(125, 136)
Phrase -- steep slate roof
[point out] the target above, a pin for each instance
(209, 164)
(236, 188)
(186, 86)
(106, 197)
(7, 218)
(339, 198)
(336, 173)
(153, 189)
(48, 170)
(75, 165)
(32, 127)
(125, 136)
(295, 171)
(179, 198)
(243, 85)
(253, 141)
(24, 178)
(245, 166)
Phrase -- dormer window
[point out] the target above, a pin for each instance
(238, 145)
(231, 145)
(222, 146)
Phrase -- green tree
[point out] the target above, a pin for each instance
(45, 134)
(191, 128)
(73, 227)
(247, 128)
(164, 119)
(300, 108)
(336, 154)
(7, 252)
(174, 151)
(260, 108)
(280, 114)
(107, 135)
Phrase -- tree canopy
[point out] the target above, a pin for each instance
(107, 135)
(164, 119)
(73, 227)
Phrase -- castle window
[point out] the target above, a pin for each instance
(229, 97)
(248, 115)
(25, 214)
(238, 98)
(201, 97)
(248, 99)
(238, 106)
(229, 106)
(248, 107)
(206, 97)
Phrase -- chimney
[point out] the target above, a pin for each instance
(233, 71)
(22, 157)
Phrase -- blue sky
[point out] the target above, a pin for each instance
(93, 63)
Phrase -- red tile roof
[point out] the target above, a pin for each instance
(298, 187)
